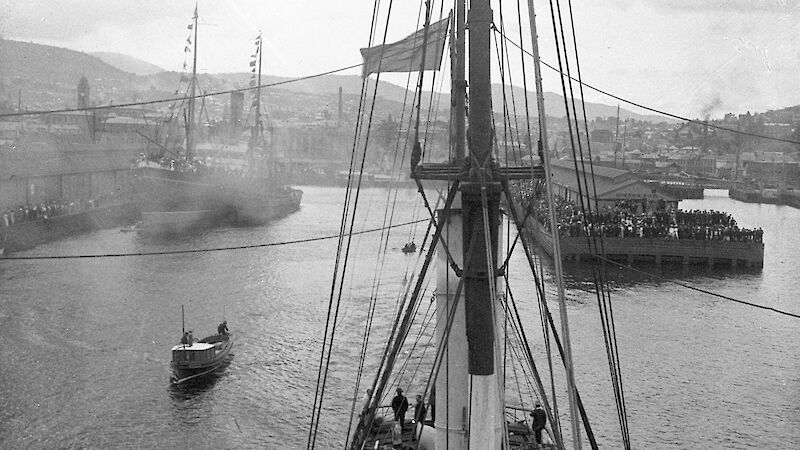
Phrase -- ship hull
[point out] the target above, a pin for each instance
(173, 201)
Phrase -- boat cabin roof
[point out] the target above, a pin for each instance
(197, 346)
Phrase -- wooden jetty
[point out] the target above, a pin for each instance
(658, 250)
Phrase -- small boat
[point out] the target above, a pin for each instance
(193, 360)
(410, 247)
(131, 228)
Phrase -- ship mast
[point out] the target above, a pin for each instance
(469, 387)
(459, 87)
(192, 93)
(259, 127)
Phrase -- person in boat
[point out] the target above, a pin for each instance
(539, 421)
(190, 337)
(222, 329)
(185, 338)
(400, 406)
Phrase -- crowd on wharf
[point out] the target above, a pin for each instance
(629, 219)
(30, 213)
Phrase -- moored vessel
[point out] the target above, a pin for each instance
(179, 192)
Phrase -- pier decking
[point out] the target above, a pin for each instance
(658, 250)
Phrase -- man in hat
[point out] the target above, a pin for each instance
(539, 421)
(222, 329)
(400, 406)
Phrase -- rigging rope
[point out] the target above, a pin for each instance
(206, 250)
(603, 297)
(541, 295)
(651, 109)
(323, 371)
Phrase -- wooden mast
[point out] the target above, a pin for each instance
(480, 197)
(459, 88)
(192, 93)
(259, 128)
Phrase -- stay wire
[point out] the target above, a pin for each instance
(600, 291)
(697, 289)
(204, 250)
(603, 282)
(655, 110)
(322, 373)
(583, 186)
(543, 303)
(393, 345)
(388, 215)
(176, 99)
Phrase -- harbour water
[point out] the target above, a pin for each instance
(84, 343)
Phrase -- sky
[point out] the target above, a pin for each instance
(688, 57)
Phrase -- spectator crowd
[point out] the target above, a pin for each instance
(30, 213)
(629, 219)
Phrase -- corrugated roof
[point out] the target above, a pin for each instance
(599, 171)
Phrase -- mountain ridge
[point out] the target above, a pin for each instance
(128, 63)
(110, 81)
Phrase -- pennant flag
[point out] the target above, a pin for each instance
(252, 63)
(253, 70)
(254, 55)
(184, 65)
(186, 49)
(191, 25)
(189, 40)
(406, 55)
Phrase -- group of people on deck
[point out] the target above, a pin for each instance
(222, 330)
(400, 407)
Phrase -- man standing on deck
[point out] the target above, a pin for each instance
(400, 406)
(539, 421)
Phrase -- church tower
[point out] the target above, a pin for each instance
(83, 92)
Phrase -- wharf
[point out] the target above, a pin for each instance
(27, 235)
(658, 250)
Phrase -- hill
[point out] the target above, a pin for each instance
(128, 63)
(351, 85)
(47, 64)
(48, 75)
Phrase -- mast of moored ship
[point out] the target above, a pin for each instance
(259, 128)
(192, 93)
(545, 155)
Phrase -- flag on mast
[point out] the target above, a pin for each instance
(406, 55)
